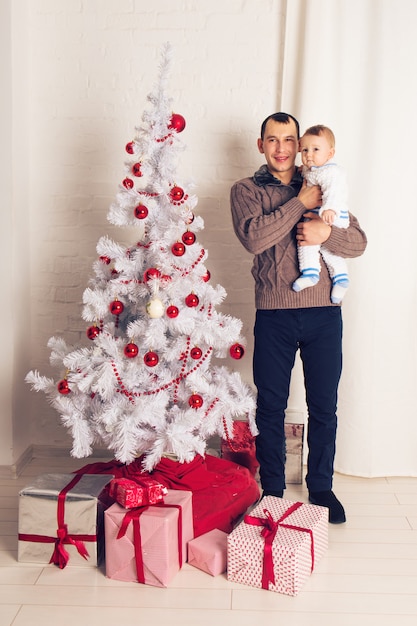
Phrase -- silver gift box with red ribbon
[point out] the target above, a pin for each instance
(278, 545)
(61, 520)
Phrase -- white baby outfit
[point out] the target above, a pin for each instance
(332, 181)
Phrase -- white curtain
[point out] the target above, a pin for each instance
(350, 64)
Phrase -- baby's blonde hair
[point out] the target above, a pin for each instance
(319, 130)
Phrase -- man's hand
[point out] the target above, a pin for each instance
(310, 196)
(314, 232)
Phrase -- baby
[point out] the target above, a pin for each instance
(317, 147)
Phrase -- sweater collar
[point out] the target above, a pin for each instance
(264, 177)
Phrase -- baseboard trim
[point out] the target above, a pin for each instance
(14, 471)
(42, 452)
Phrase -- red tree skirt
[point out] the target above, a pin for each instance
(222, 490)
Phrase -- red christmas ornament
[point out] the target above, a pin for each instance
(176, 194)
(130, 147)
(116, 307)
(192, 300)
(136, 169)
(151, 272)
(196, 353)
(92, 332)
(190, 219)
(188, 238)
(195, 401)
(178, 249)
(105, 259)
(128, 183)
(131, 350)
(172, 311)
(141, 211)
(151, 359)
(206, 277)
(177, 122)
(237, 351)
(63, 387)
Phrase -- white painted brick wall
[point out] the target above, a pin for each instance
(92, 64)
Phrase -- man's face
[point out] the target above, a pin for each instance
(280, 147)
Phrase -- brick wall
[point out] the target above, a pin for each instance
(91, 65)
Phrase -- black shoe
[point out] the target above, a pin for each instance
(329, 500)
(277, 494)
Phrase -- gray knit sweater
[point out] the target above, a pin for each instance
(265, 213)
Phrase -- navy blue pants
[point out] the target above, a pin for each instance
(279, 333)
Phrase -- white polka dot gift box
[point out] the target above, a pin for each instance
(277, 545)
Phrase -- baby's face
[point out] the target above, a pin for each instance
(315, 150)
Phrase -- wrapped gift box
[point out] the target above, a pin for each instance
(294, 442)
(61, 520)
(241, 449)
(139, 492)
(149, 544)
(208, 552)
(278, 545)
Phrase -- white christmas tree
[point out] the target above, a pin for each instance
(144, 385)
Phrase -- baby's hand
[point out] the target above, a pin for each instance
(328, 216)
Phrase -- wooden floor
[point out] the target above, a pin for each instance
(367, 578)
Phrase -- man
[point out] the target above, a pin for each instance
(271, 213)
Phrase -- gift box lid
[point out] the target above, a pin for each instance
(50, 485)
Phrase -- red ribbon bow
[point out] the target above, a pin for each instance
(133, 515)
(60, 556)
(269, 530)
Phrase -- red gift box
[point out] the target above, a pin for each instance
(277, 546)
(148, 544)
(132, 493)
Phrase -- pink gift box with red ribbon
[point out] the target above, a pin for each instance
(278, 545)
(149, 544)
(61, 520)
(208, 552)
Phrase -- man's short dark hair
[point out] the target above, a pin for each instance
(282, 118)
